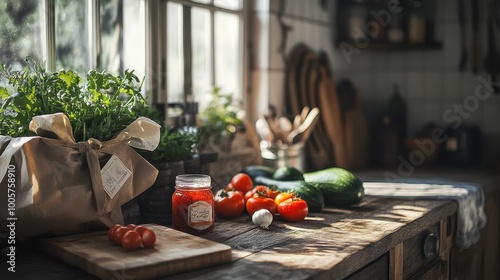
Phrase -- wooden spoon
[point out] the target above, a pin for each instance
(285, 124)
(305, 129)
(263, 130)
(296, 121)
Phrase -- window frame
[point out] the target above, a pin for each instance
(92, 25)
(157, 44)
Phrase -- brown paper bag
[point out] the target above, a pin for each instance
(54, 186)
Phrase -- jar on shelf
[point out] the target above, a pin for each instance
(417, 23)
(357, 20)
(193, 204)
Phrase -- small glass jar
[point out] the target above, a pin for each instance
(193, 204)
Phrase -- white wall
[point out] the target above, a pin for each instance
(429, 80)
(308, 22)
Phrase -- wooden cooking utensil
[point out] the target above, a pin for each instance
(298, 135)
(285, 124)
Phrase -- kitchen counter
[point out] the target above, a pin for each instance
(381, 237)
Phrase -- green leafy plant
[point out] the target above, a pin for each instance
(220, 119)
(175, 145)
(99, 108)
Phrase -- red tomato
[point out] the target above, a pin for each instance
(229, 204)
(293, 209)
(131, 226)
(242, 182)
(258, 202)
(148, 238)
(131, 240)
(283, 196)
(111, 231)
(118, 234)
(140, 229)
(273, 192)
(250, 193)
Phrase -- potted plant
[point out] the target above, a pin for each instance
(219, 122)
(99, 108)
(77, 121)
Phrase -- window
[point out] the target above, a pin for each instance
(182, 47)
(204, 47)
(21, 21)
(75, 34)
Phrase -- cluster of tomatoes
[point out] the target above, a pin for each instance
(132, 237)
(241, 195)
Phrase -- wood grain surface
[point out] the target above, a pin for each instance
(331, 244)
(174, 252)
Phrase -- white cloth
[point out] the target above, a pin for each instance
(471, 217)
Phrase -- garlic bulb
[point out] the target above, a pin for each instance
(262, 218)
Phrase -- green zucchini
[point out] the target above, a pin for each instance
(258, 170)
(288, 173)
(339, 186)
(313, 196)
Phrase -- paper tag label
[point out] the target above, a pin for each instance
(114, 174)
(200, 215)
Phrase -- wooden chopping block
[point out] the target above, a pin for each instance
(174, 252)
(318, 145)
(331, 116)
(293, 73)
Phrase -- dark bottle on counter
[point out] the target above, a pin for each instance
(390, 131)
(386, 141)
(397, 110)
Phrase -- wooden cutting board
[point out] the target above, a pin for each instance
(332, 117)
(174, 252)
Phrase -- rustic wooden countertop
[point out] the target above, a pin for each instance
(331, 244)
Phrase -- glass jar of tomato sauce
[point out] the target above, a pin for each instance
(193, 204)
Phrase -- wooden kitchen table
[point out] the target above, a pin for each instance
(332, 244)
(381, 238)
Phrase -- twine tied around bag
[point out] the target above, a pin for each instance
(91, 144)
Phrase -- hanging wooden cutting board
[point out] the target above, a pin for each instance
(356, 131)
(356, 128)
(331, 115)
(319, 146)
(174, 252)
(293, 73)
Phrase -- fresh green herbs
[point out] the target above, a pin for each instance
(99, 108)
(220, 119)
(176, 145)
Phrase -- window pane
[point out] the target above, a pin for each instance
(202, 73)
(175, 61)
(229, 4)
(111, 35)
(227, 47)
(71, 36)
(123, 41)
(134, 37)
(20, 32)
